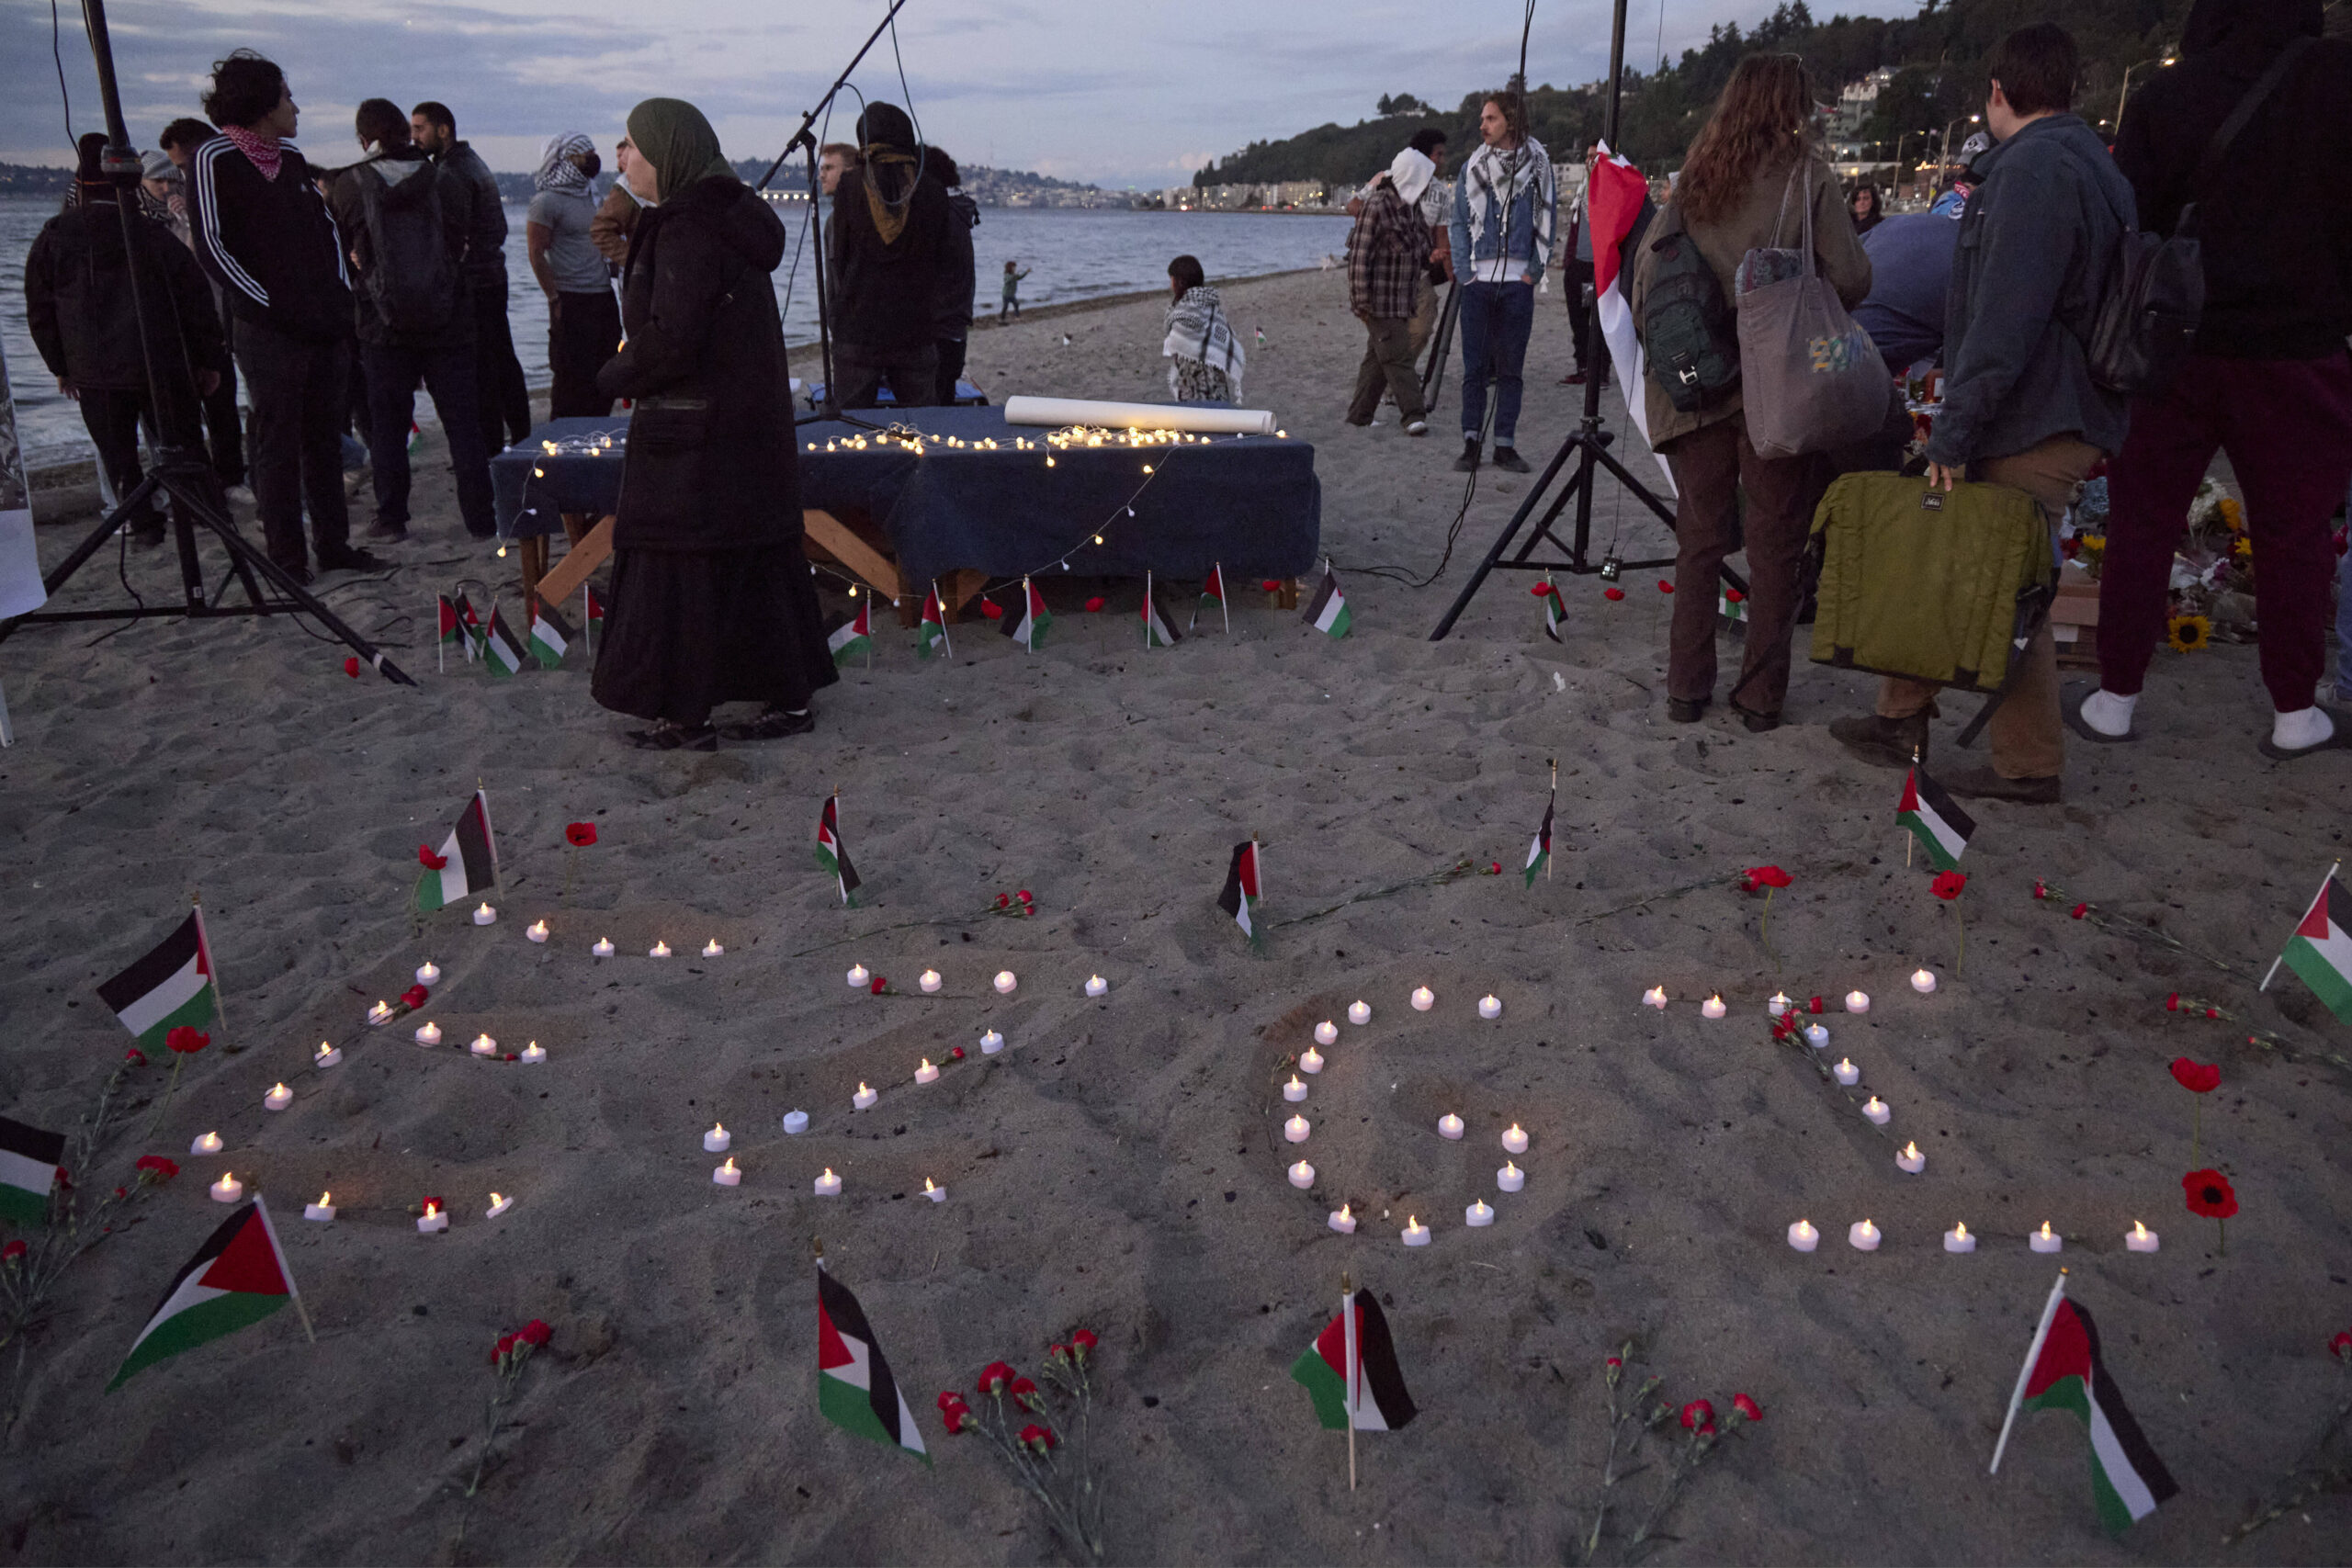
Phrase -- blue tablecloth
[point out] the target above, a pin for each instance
(1250, 504)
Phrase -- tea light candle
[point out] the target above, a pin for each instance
(1478, 1213)
(934, 1191)
(1957, 1239)
(828, 1185)
(991, 1043)
(483, 1045)
(796, 1123)
(1490, 1006)
(1302, 1176)
(1655, 998)
(428, 973)
(1863, 1236)
(727, 1174)
(1005, 982)
(1923, 981)
(277, 1099)
(603, 948)
(711, 948)
(1857, 1001)
(208, 1143)
(1847, 1073)
(428, 1033)
(1423, 998)
(1358, 1012)
(1911, 1159)
(537, 930)
(1875, 1109)
(925, 1072)
(1515, 1139)
(381, 1013)
(1816, 1036)
(858, 976)
(1713, 1007)
(1415, 1233)
(1294, 1090)
(717, 1139)
(1511, 1179)
(930, 982)
(1449, 1125)
(1803, 1236)
(321, 1211)
(1296, 1129)
(1327, 1033)
(485, 915)
(328, 1055)
(533, 1053)
(2046, 1240)
(864, 1099)
(433, 1221)
(2139, 1238)
(1312, 1062)
(1778, 1005)
(1096, 986)
(228, 1190)
(658, 950)
(498, 1206)
(1342, 1220)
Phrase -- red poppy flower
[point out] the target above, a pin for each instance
(2172, 1002)
(429, 861)
(351, 668)
(878, 983)
(580, 835)
(1094, 603)
(1271, 585)
(994, 1376)
(15, 1249)
(1612, 594)
(135, 1056)
(1036, 1438)
(1734, 596)
(186, 1041)
(2197, 1078)
(1948, 883)
(1766, 877)
(2210, 1194)
(2079, 910)
(991, 609)
(1746, 1407)
(536, 1333)
(415, 996)
(1082, 1342)
(1663, 586)
(164, 1169)
(2341, 1343)
(1698, 1417)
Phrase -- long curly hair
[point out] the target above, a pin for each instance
(1765, 114)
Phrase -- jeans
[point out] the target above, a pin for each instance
(501, 399)
(584, 330)
(912, 375)
(1495, 319)
(295, 442)
(1387, 365)
(449, 375)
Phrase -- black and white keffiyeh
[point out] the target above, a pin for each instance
(1496, 178)
(556, 169)
(1198, 331)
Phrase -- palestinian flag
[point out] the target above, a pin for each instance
(1539, 852)
(1329, 614)
(236, 1278)
(170, 986)
(499, 648)
(469, 628)
(1940, 825)
(854, 1388)
(550, 637)
(592, 610)
(472, 860)
(28, 1160)
(1157, 632)
(452, 623)
(2321, 949)
(931, 630)
(831, 855)
(855, 636)
(1617, 212)
(2127, 1478)
(1027, 623)
(1240, 895)
(1353, 1367)
(1554, 612)
(1211, 592)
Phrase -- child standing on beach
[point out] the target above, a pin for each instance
(1012, 291)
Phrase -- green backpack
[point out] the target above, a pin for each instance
(1688, 333)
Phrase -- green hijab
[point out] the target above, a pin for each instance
(672, 135)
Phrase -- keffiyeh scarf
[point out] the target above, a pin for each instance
(263, 151)
(1495, 179)
(1198, 331)
(557, 172)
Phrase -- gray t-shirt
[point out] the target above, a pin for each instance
(572, 257)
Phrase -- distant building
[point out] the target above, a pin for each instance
(1857, 101)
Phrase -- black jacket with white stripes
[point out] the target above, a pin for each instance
(272, 243)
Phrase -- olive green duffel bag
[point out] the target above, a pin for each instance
(1930, 584)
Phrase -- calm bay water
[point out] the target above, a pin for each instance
(1069, 255)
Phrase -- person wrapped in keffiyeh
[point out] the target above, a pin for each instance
(1205, 352)
(557, 171)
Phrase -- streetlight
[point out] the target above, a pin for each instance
(2125, 96)
(1898, 153)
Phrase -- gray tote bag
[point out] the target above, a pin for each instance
(1812, 378)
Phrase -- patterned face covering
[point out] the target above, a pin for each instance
(557, 172)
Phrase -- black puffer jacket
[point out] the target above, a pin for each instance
(711, 462)
(78, 304)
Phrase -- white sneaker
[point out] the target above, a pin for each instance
(1418, 427)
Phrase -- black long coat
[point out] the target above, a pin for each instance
(711, 463)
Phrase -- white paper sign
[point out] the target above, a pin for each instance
(20, 588)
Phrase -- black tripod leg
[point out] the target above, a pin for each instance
(1502, 541)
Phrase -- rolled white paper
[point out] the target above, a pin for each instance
(1054, 413)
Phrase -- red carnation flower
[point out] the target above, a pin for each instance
(2172, 1002)
(1058, 1352)
(429, 861)
(135, 1056)
(954, 1419)
(2341, 1345)
(878, 985)
(1003, 900)
(1036, 1438)
(1082, 1342)
(1271, 585)
(1746, 1407)
(991, 609)
(1698, 1417)
(1948, 883)
(536, 1333)
(2212, 1012)
(2210, 1194)
(956, 1054)
(1663, 586)
(1612, 594)
(1814, 1006)
(949, 1401)
(164, 1169)
(2039, 891)
(431, 1202)
(415, 996)
(1494, 868)
(1767, 876)
(2197, 1078)
(2079, 910)
(1021, 1392)
(1094, 603)
(351, 668)
(1616, 1361)
(1024, 896)
(580, 835)
(994, 1376)
(504, 1348)
(1540, 589)
(186, 1041)
(15, 1249)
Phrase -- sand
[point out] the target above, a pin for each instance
(1120, 1165)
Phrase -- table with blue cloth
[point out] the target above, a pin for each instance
(1251, 504)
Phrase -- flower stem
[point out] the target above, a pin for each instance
(1764, 928)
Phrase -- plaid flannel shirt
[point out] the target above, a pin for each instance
(1386, 255)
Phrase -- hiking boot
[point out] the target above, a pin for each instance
(389, 530)
(148, 537)
(1984, 784)
(1468, 462)
(1885, 742)
(1508, 457)
(346, 558)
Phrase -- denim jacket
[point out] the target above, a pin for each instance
(1524, 234)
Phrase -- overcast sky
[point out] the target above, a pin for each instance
(1117, 92)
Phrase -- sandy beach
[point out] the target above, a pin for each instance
(1120, 1165)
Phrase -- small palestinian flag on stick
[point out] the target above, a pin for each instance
(931, 630)
(550, 637)
(854, 1388)
(236, 1278)
(855, 636)
(592, 611)
(500, 651)
(1211, 592)
(1239, 897)
(1157, 632)
(170, 986)
(452, 630)
(470, 627)
(1329, 613)
(830, 854)
(1352, 1375)
(1027, 623)
(2320, 952)
(468, 861)
(28, 1160)
(1553, 611)
(1539, 852)
(1941, 826)
(2063, 1372)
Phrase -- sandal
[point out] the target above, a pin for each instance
(774, 723)
(666, 736)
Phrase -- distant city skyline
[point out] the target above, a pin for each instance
(1116, 95)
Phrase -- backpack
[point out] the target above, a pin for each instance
(412, 280)
(1688, 333)
(2146, 323)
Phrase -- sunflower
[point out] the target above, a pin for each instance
(2189, 633)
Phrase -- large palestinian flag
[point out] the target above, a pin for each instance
(1353, 1367)
(2127, 1478)
(470, 857)
(854, 1388)
(28, 1160)
(2321, 949)
(855, 636)
(1027, 621)
(170, 986)
(1329, 614)
(236, 1278)
(831, 855)
(1539, 850)
(1618, 207)
(1942, 827)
